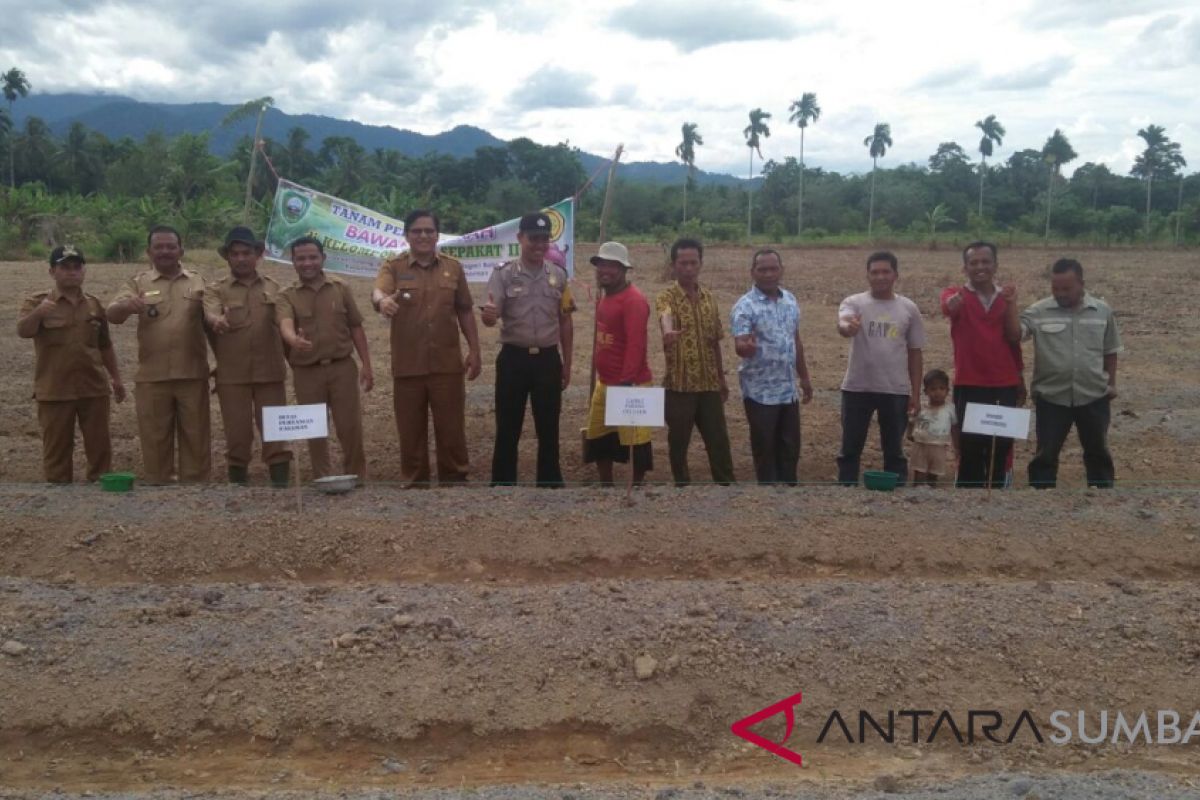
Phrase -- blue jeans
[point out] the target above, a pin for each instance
(857, 409)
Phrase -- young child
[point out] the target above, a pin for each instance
(933, 430)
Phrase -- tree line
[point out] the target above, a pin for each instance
(103, 194)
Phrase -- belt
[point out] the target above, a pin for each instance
(533, 351)
(324, 362)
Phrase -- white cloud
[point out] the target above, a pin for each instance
(596, 76)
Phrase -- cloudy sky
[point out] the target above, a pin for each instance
(598, 73)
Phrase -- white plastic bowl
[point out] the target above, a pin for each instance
(336, 484)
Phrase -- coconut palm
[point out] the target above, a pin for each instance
(244, 111)
(993, 132)
(1160, 159)
(15, 85)
(298, 156)
(755, 132)
(1056, 151)
(686, 152)
(804, 111)
(877, 143)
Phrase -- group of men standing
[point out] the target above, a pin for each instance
(1075, 342)
(253, 326)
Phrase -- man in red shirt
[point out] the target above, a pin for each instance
(986, 332)
(620, 359)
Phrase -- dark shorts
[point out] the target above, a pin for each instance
(609, 448)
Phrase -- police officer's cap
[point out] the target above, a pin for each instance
(535, 223)
(65, 252)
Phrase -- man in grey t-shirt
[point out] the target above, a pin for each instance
(884, 372)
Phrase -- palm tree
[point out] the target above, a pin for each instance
(6, 129)
(1056, 151)
(804, 111)
(15, 85)
(1161, 159)
(755, 132)
(878, 143)
(993, 131)
(298, 155)
(78, 160)
(686, 152)
(245, 110)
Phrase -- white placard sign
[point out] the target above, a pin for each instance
(626, 406)
(1011, 423)
(291, 423)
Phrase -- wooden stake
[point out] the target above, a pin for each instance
(629, 486)
(612, 179)
(991, 464)
(299, 495)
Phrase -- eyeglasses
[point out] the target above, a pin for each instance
(422, 231)
(538, 237)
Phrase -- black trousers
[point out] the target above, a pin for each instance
(1052, 426)
(774, 440)
(521, 375)
(705, 411)
(974, 447)
(857, 409)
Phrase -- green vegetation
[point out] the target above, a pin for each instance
(103, 194)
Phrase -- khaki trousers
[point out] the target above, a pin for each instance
(413, 398)
(241, 413)
(57, 419)
(170, 410)
(335, 384)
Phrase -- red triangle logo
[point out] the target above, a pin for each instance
(741, 728)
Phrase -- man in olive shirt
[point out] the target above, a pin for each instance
(529, 296)
(1075, 347)
(240, 311)
(321, 324)
(70, 338)
(426, 297)
(171, 391)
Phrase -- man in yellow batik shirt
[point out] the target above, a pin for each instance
(695, 379)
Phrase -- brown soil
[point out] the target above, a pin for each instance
(218, 639)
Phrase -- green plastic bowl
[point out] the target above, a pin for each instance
(117, 481)
(880, 481)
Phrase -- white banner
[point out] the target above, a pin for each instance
(357, 239)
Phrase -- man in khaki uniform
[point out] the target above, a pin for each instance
(70, 338)
(321, 324)
(172, 379)
(240, 311)
(425, 295)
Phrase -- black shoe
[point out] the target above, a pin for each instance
(239, 475)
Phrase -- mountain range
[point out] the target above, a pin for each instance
(117, 116)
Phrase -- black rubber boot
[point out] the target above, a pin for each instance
(281, 474)
(239, 475)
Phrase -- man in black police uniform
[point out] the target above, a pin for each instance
(530, 298)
